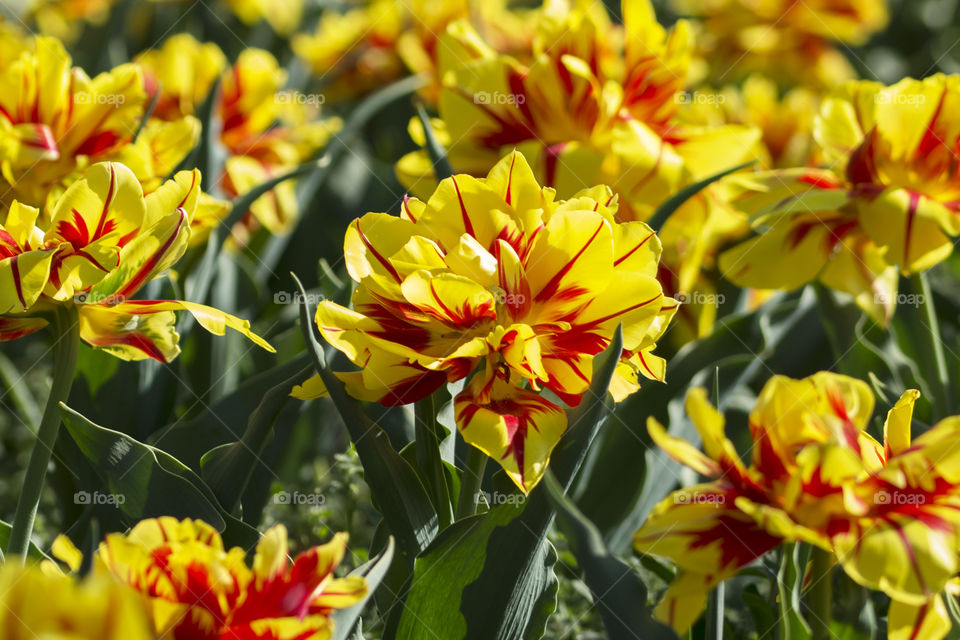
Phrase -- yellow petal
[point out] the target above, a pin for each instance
(517, 428)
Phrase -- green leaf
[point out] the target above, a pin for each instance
(790, 584)
(438, 155)
(764, 618)
(145, 482)
(223, 421)
(617, 590)
(674, 202)
(374, 572)
(33, 552)
(227, 469)
(444, 593)
(394, 485)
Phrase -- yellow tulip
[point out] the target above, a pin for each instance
(888, 512)
(266, 131)
(793, 42)
(104, 242)
(39, 604)
(593, 103)
(496, 273)
(198, 589)
(886, 205)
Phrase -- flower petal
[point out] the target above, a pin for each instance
(516, 427)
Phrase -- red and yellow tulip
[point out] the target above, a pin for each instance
(378, 41)
(35, 603)
(198, 589)
(888, 512)
(497, 275)
(887, 205)
(55, 121)
(104, 241)
(593, 103)
(793, 42)
(266, 131)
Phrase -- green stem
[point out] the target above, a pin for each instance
(942, 401)
(429, 460)
(470, 482)
(821, 594)
(66, 349)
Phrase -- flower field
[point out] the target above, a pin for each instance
(464, 320)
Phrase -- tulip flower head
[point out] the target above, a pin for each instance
(199, 589)
(55, 121)
(35, 603)
(495, 277)
(104, 242)
(886, 205)
(888, 512)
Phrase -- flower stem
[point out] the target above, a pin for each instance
(943, 400)
(470, 482)
(820, 598)
(66, 348)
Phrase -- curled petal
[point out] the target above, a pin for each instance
(896, 429)
(930, 620)
(130, 336)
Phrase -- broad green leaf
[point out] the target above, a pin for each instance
(223, 421)
(444, 594)
(145, 481)
(227, 469)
